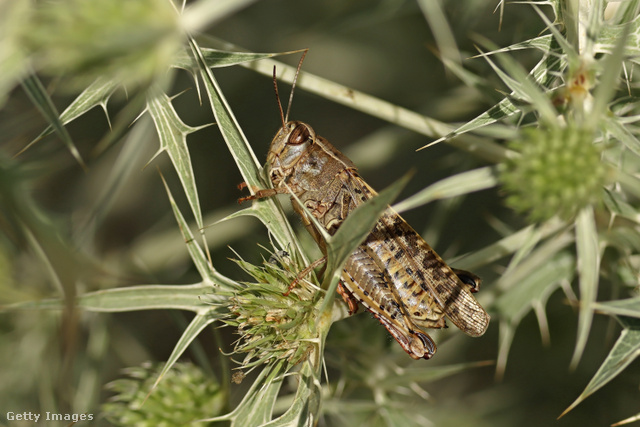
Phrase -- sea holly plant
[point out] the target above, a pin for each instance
(569, 170)
(575, 152)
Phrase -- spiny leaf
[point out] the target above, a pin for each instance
(445, 40)
(536, 259)
(416, 374)
(566, 47)
(514, 304)
(624, 351)
(456, 185)
(173, 132)
(629, 307)
(143, 297)
(96, 94)
(507, 245)
(524, 87)
(197, 325)
(588, 268)
(610, 36)
(206, 270)
(543, 43)
(215, 58)
(605, 90)
(534, 289)
(629, 420)
(621, 132)
(268, 211)
(39, 96)
(617, 205)
(256, 407)
(540, 73)
(304, 411)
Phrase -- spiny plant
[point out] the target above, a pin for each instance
(185, 394)
(570, 169)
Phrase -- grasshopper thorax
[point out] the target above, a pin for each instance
(288, 147)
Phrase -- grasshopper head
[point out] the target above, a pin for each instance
(287, 148)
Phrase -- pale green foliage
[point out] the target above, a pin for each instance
(562, 167)
(570, 165)
(185, 394)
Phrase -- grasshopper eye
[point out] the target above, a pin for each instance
(299, 135)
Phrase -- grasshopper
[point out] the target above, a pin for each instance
(394, 273)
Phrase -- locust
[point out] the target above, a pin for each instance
(394, 273)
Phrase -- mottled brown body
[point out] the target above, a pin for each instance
(395, 274)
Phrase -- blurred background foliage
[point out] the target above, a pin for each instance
(84, 210)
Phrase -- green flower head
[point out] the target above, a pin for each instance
(558, 171)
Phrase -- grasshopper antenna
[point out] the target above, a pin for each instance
(293, 86)
(275, 86)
